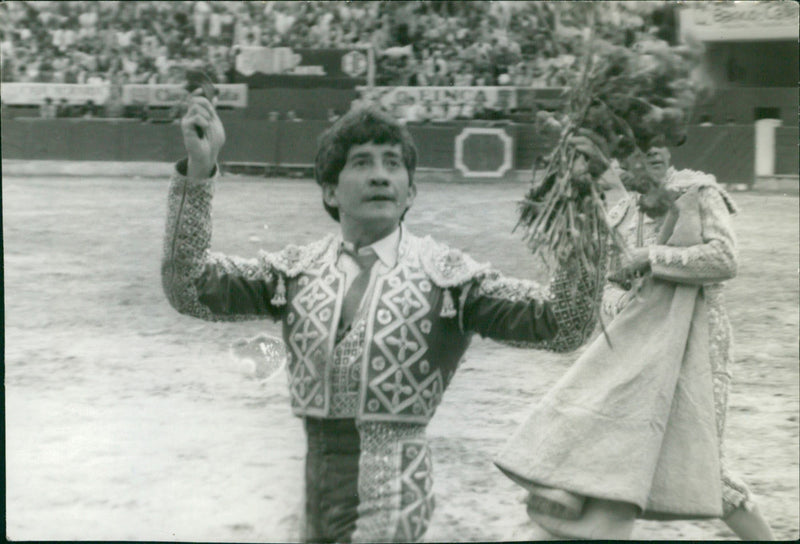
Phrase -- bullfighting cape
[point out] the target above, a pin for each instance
(632, 420)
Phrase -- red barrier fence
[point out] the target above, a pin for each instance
(726, 151)
(742, 105)
(786, 155)
(468, 150)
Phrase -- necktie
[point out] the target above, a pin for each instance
(355, 293)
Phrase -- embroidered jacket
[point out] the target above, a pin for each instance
(709, 264)
(419, 319)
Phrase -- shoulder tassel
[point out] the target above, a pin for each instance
(280, 293)
(448, 307)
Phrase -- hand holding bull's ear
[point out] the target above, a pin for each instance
(203, 135)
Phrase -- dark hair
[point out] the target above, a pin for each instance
(359, 126)
(659, 140)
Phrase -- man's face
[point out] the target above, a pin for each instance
(657, 162)
(374, 187)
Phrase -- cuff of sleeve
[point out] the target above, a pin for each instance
(659, 256)
(668, 263)
(182, 167)
(650, 258)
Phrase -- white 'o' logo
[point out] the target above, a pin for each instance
(354, 63)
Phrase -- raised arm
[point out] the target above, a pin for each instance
(197, 282)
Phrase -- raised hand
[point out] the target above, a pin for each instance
(203, 135)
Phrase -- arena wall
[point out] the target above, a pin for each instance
(504, 148)
(728, 152)
(786, 156)
(307, 103)
(739, 105)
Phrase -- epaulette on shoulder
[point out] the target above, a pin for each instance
(694, 179)
(293, 259)
(446, 266)
(687, 178)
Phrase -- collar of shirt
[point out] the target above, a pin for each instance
(386, 248)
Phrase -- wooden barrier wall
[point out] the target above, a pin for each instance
(786, 155)
(725, 151)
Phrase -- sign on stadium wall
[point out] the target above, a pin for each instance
(739, 21)
(440, 103)
(351, 63)
(231, 95)
(18, 94)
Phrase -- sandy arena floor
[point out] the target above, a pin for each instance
(127, 421)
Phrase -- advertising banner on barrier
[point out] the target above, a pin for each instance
(533, 98)
(332, 63)
(231, 95)
(20, 94)
(739, 21)
(440, 103)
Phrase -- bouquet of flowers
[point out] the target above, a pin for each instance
(620, 97)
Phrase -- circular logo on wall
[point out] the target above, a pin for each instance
(354, 63)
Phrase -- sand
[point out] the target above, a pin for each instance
(127, 421)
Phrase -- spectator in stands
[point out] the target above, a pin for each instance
(60, 65)
(63, 109)
(522, 76)
(114, 107)
(72, 71)
(32, 71)
(94, 34)
(462, 74)
(202, 13)
(89, 110)
(483, 78)
(215, 21)
(144, 112)
(427, 72)
(7, 69)
(47, 110)
(440, 77)
(88, 21)
(96, 78)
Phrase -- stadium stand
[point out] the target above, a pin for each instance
(432, 58)
(417, 43)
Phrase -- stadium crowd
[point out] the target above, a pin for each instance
(426, 43)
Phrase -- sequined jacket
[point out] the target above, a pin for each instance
(708, 264)
(420, 317)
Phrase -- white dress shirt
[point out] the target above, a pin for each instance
(386, 249)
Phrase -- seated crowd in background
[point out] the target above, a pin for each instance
(416, 43)
(441, 43)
